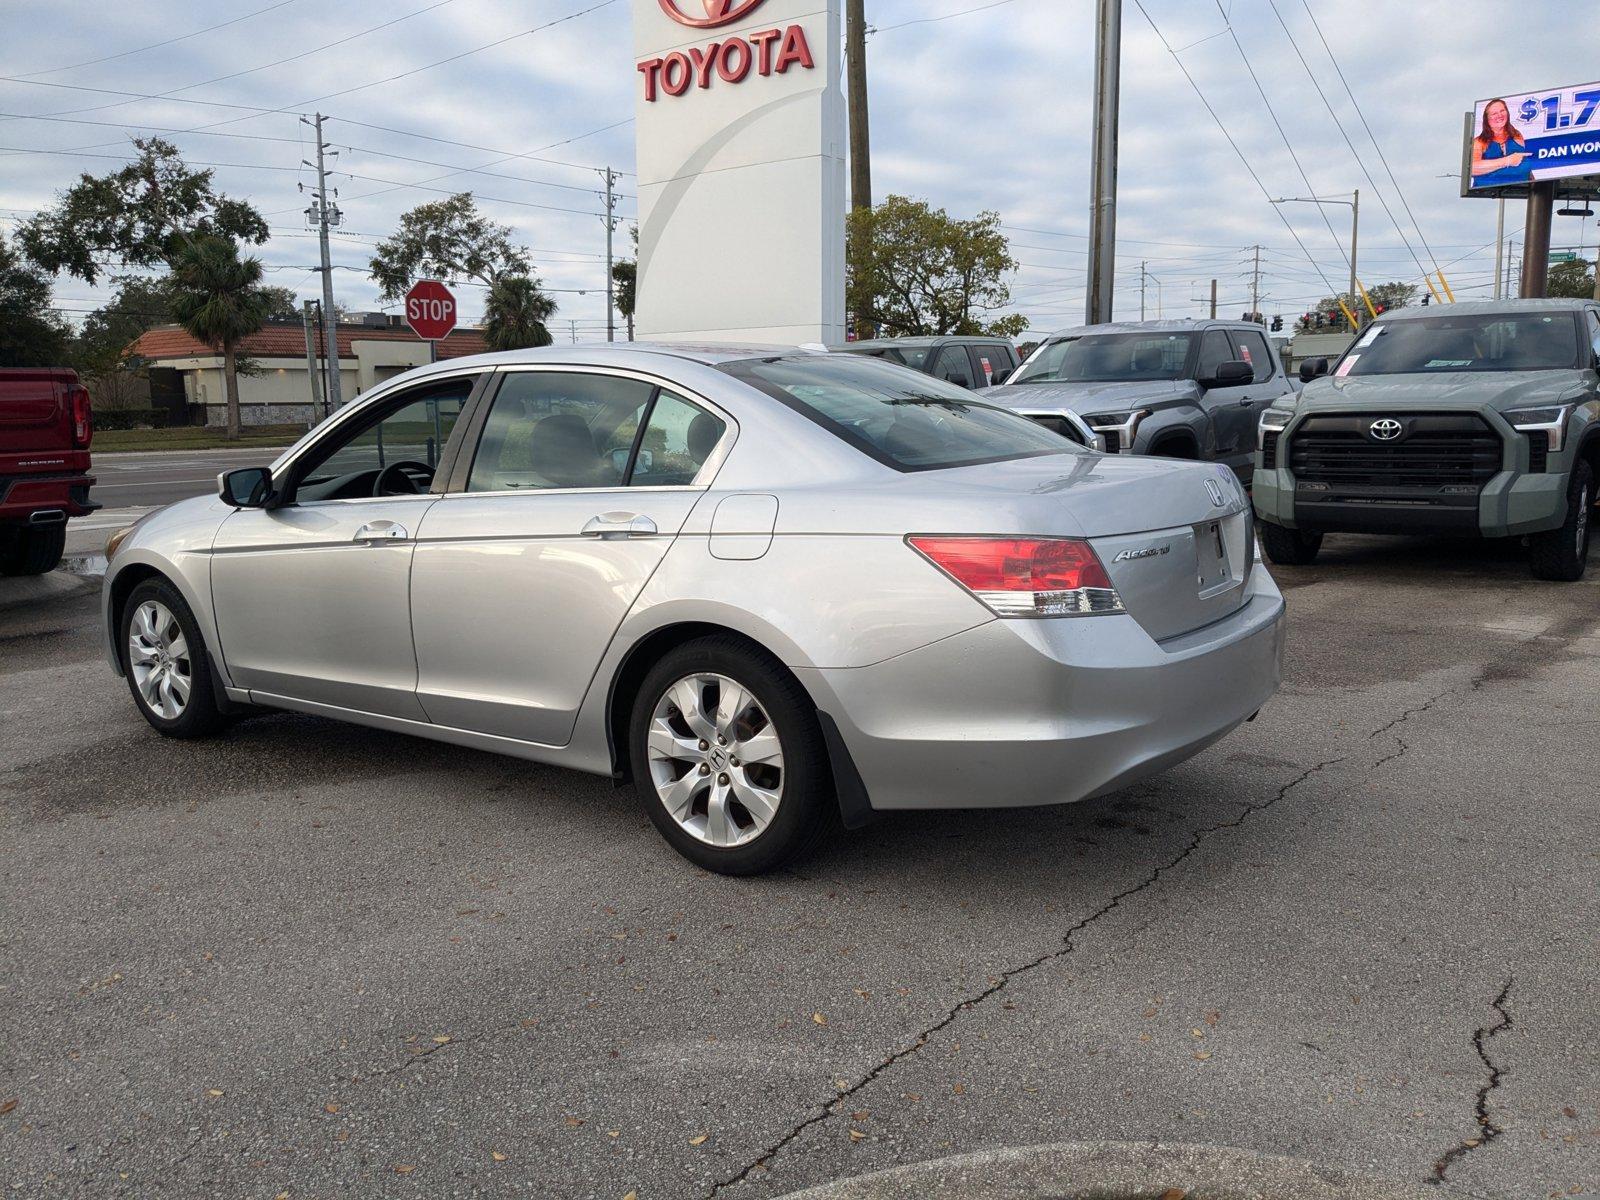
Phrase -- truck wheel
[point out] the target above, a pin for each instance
(1561, 554)
(33, 549)
(1289, 547)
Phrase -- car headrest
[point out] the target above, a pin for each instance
(562, 450)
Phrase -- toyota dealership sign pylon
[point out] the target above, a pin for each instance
(430, 310)
(740, 120)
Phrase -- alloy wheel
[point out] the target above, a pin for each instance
(716, 760)
(158, 657)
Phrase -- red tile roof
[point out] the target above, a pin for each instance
(288, 340)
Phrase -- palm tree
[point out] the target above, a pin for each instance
(515, 312)
(217, 297)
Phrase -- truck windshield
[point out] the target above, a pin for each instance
(1525, 341)
(1109, 357)
(904, 419)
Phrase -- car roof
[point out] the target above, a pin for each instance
(615, 354)
(1174, 325)
(890, 343)
(1484, 307)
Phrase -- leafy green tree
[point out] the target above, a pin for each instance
(217, 297)
(1574, 280)
(913, 270)
(515, 314)
(1385, 296)
(139, 303)
(139, 215)
(446, 239)
(625, 277)
(32, 334)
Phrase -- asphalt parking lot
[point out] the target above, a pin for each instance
(310, 959)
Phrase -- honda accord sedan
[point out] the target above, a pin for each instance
(772, 589)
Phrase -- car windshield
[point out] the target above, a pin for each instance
(1108, 357)
(903, 419)
(1525, 341)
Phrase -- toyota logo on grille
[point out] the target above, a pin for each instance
(1385, 430)
(718, 12)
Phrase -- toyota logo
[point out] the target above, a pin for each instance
(1385, 430)
(718, 12)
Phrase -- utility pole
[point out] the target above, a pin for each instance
(1213, 299)
(855, 50)
(1103, 198)
(1141, 289)
(611, 228)
(574, 325)
(317, 407)
(324, 217)
(1255, 285)
(1355, 231)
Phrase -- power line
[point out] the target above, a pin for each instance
(1370, 136)
(1360, 162)
(1236, 149)
(472, 146)
(172, 41)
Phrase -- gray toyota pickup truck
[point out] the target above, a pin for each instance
(1180, 389)
(1479, 418)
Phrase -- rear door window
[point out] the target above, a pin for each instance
(989, 364)
(905, 421)
(952, 366)
(553, 429)
(1252, 348)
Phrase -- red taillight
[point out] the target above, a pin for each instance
(82, 421)
(1025, 577)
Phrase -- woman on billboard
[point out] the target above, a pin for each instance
(1498, 152)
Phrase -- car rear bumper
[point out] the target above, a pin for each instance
(23, 496)
(1018, 712)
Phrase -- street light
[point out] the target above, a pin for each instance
(1355, 227)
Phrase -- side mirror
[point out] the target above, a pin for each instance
(1230, 374)
(1313, 368)
(248, 487)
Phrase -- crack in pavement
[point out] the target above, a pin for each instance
(1489, 1130)
(836, 1103)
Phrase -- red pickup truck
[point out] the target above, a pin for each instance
(45, 429)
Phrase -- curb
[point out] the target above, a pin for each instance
(1122, 1171)
(34, 589)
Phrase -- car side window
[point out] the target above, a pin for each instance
(1253, 349)
(678, 438)
(555, 429)
(1594, 330)
(952, 366)
(414, 430)
(989, 364)
(1215, 349)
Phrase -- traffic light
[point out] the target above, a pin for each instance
(1424, 300)
(1277, 324)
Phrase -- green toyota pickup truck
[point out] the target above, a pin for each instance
(1479, 418)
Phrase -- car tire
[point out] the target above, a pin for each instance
(714, 808)
(1561, 554)
(166, 662)
(33, 549)
(1289, 547)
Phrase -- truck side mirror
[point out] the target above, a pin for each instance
(1230, 374)
(248, 487)
(1313, 368)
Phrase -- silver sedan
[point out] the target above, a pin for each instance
(773, 589)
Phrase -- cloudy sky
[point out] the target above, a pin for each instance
(975, 106)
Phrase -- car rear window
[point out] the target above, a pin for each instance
(904, 419)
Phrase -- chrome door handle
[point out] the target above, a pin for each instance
(374, 532)
(614, 525)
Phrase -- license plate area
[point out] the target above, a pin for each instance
(1211, 557)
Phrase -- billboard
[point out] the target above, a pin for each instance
(1515, 140)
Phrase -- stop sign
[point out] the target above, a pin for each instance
(430, 310)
